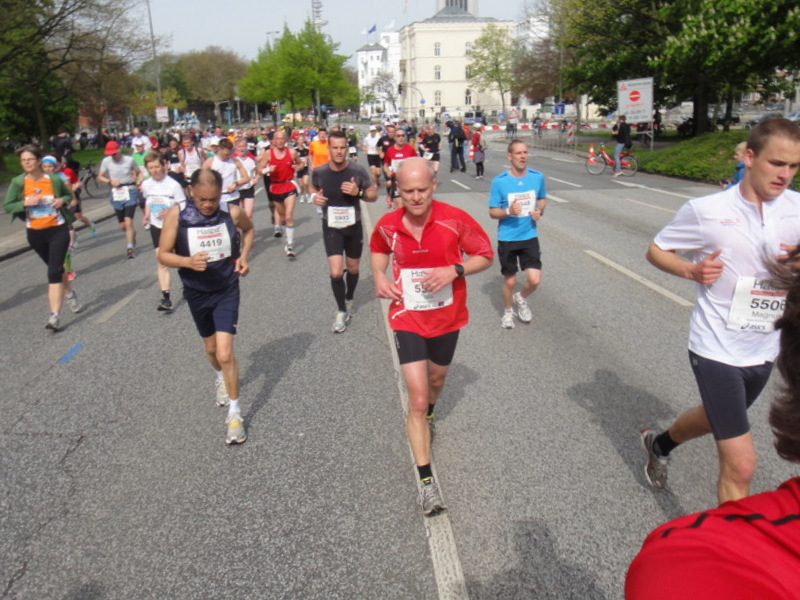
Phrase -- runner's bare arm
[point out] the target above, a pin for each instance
(707, 271)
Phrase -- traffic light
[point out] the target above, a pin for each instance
(400, 89)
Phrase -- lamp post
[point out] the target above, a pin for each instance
(155, 57)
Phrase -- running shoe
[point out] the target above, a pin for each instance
(73, 303)
(431, 425)
(165, 304)
(430, 500)
(92, 230)
(656, 467)
(340, 324)
(523, 310)
(508, 320)
(278, 232)
(71, 276)
(53, 323)
(222, 393)
(351, 309)
(129, 253)
(236, 433)
(289, 251)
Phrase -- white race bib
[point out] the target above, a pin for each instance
(215, 241)
(396, 164)
(175, 167)
(755, 306)
(120, 194)
(44, 209)
(527, 200)
(341, 216)
(158, 204)
(427, 155)
(352, 150)
(415, 298)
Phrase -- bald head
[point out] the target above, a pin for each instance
(206, 177)
(416, 167)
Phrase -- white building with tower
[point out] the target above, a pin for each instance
(379, 61)
(435, 55)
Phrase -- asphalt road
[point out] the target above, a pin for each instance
(116, 482)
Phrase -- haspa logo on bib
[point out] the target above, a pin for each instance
(729, 222)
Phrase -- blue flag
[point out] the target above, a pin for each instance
(374, 29)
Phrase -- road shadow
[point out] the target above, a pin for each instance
(491, 289)
(88, 591)
(24, 295)
(622, 411)
(459, 379)
(539, 570)
(271, 361)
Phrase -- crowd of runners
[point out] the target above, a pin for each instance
(197, 193)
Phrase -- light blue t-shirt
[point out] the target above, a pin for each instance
(528, 189)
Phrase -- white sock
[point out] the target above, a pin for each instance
(509, 311)
(233, 407)
(219, 374)
(289, 235)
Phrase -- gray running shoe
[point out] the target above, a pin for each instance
(278, 232)
(508, 321)
(655, 469)
(165, 305)
(236, 433)
(350, 308)
(73, 303)
(523, 310)
(431, 425)
(53, 323)
(222, 393)
(430, 500)
(340, 324)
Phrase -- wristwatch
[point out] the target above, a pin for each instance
(459, 270)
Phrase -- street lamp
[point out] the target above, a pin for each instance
(155, 58)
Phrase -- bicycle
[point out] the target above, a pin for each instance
(597, 164)
(88, 179)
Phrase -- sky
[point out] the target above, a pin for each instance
(243, 25)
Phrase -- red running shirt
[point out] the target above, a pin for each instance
(448, 233)
(282, 172)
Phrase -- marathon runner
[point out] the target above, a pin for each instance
(425, 242)
(231, 169)
(338, 188)
(281, 163)
(160, 193)
(200, 239)
(247, 193)
(373, 157)
(392, 157)
(120, 172)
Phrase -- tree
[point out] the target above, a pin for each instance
(384, 88)
(490, 62)
(145, 102)
(212, 75)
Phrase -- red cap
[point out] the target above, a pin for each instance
(112, 147)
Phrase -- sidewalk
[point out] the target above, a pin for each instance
(14, 239)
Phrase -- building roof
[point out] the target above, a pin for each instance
(371, 48)
(455, 14)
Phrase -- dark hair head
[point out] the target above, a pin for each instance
(784, 415)
(35, 150)
(225, 143)
(513, 143)
(206, 177)
(154, 156)
(337, 134)
(771, 127)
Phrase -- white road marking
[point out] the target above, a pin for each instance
(106, 316)
(466, 187)
(447, 569)
(652, 189)
(565, 182)
(563, 160)
(669, 210)
(557, 199)
(645, 282)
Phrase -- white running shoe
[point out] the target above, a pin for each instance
(508, 320)
(340, 324)
(222, 393)
(236, 433)
(523, 310)
(350, 304)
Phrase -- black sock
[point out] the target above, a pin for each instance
(337, 285)
(664, 444)
(351, 279)
(430, 409)
(425, 473)
(165, 294)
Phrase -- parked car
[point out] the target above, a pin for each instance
(765, 115)
(735, 119)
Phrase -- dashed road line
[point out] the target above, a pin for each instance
(565, 182)
(651, 189)
(669, 210)
(466, 187)
(636, 277)
(557, 199)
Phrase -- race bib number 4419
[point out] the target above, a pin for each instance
(214, 241)
(755, 306)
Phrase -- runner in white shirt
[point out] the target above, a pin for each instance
(231, 169)
(371, 150)
(191, 157)
(247, 192)
(140, 139)
(160, 193)
(732, 342)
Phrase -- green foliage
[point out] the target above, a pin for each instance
(490, 62)
(708, 157)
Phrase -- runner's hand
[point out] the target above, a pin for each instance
(536, 214)
(708, 270)
(242, 268)
(437, 278)
(386, 289)
(515, 208)
(786, 251)
(321, 199)
(350, 187)
(197, 261)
